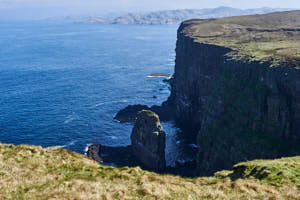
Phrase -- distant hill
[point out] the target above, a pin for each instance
(177, 16)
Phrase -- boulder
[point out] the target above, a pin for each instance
(93, 152)
(148, 141)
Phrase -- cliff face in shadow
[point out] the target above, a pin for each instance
(238, 108)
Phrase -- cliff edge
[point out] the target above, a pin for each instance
(236, 87)
(30, 172)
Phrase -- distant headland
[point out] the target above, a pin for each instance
(170, 17)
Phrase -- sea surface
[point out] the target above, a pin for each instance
(62, 83)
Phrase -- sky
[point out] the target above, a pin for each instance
(51, 8)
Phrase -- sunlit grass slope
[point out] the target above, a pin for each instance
(271, 37)
(30, 172)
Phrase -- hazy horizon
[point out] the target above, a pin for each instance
(38, 9)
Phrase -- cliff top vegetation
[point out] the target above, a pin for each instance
(273, 38)
(30, 172)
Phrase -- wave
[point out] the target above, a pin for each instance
(115, 120)
(86, 148)
(112, 137)
(109, 102)
(66, 145)
(99, 104)
(71, 118)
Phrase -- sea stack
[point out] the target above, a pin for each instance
(148, 141)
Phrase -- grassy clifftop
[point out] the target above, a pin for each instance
(29, 172)
(271, 37)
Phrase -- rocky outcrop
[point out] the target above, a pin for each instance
(148, 141)
(116, 156)
(93, 152)
(129, 113)
(238, 109)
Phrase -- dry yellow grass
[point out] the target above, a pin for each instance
(34, 173)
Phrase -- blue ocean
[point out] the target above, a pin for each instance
(61, 84)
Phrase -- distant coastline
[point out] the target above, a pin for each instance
(171, 17)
